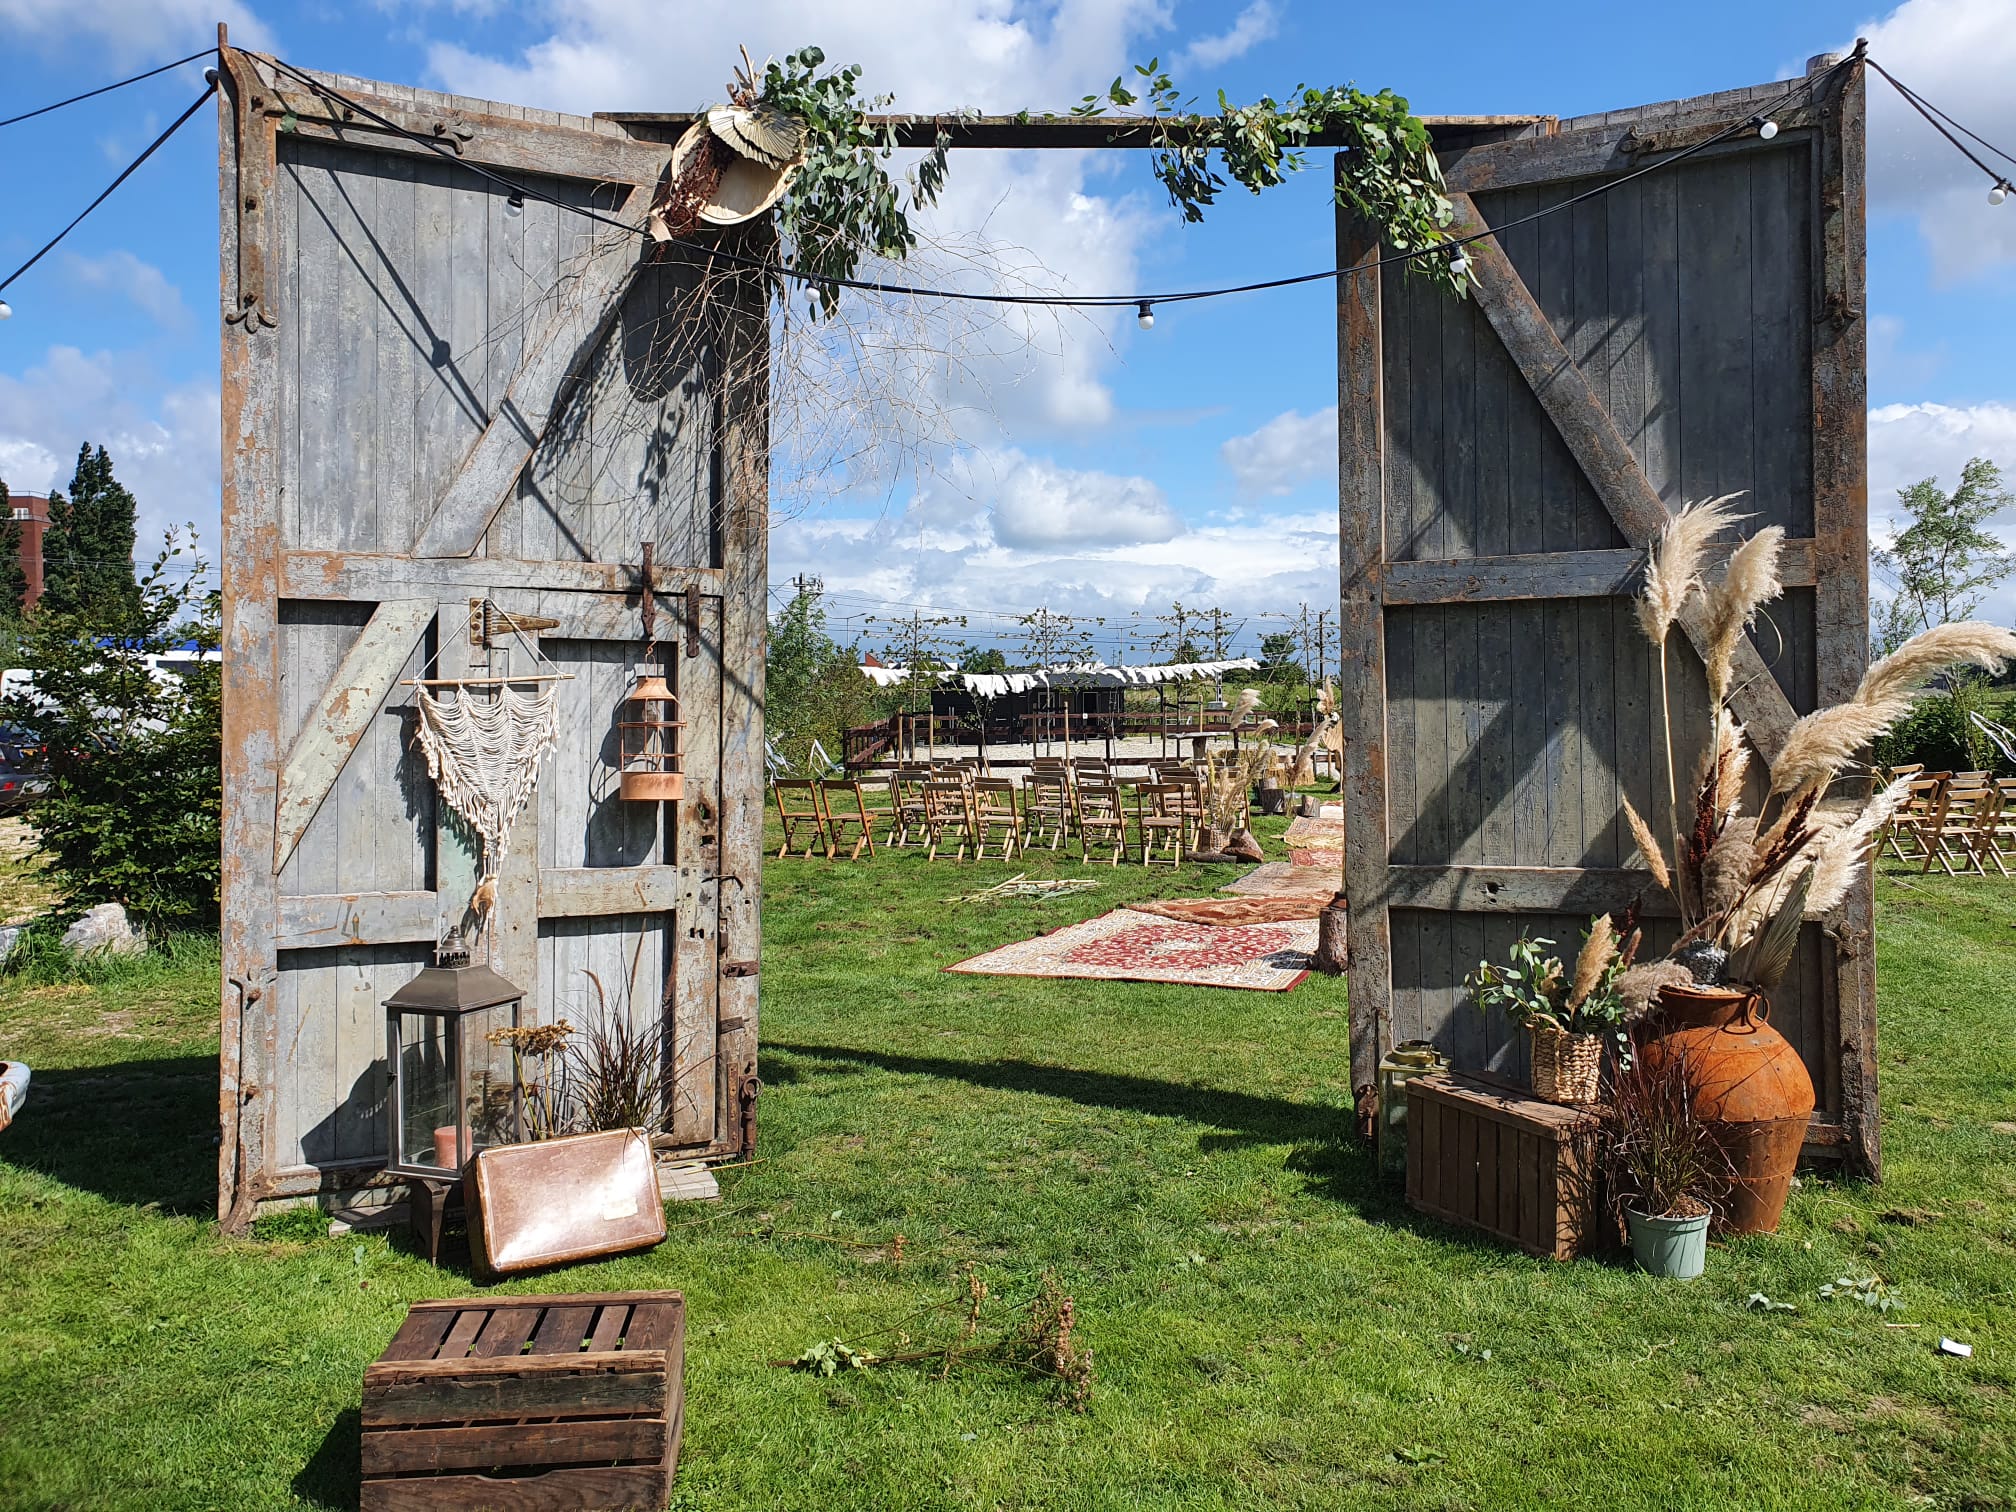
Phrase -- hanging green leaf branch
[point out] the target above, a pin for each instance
(1388, 173)
(810, 127)
(843, 204)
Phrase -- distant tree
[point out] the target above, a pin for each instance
(1050, 639)
(1277, 659)
(983, 659)
(1176, 644)
(1944, 560)
(135, 753)
(87, 551)
(13, 581)
(813, 688)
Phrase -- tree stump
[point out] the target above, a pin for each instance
(1333, 950)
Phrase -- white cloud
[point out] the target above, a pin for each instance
(125, 275)
(164, 451)
(1286, 452)
(127, 31)
(1960, 55)
(1908, 442)
(1039, 504)
(1253, 25)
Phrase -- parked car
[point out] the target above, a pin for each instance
(23, 769)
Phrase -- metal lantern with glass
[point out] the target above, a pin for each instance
(432, 1078)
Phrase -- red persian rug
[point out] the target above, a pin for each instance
(1129, 946)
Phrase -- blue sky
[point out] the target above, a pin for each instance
(1113, 469)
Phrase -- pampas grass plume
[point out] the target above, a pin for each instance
(1641, 834)
(1843, 850)
(1673, 567)
(1750, 582)
(1598, 951)
(1905, 670)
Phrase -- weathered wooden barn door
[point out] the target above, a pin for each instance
(440, 395)
(1505, 459)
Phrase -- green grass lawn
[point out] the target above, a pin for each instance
(1270, 1324)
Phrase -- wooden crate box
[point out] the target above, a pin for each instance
(527, 1402)
(1500, 1159)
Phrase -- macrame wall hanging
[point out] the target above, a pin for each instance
(484, 737)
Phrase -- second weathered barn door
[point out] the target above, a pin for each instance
(1691, 332)
(460, 421)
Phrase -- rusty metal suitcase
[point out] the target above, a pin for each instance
(557, 1200)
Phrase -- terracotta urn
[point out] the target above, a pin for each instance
(1748, 1083)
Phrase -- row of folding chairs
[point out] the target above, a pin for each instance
(1961, 822)
(971, 815)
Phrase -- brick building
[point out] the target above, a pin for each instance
(31, 512)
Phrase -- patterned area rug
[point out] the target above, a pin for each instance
(1277, 879)
(1127, 945)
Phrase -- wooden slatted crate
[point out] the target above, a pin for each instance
(1500, 1159)
(527, 1402)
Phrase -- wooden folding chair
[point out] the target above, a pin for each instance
(1916, 814)
(1046, 806)
(795, 816)
(2002, 834)
(1100, 816)
(1991, 825)
(906, 805)
(853, 810)
(1188, 790)
(1954, 835)
(948, 809)
(995, 813)
(1160, 816)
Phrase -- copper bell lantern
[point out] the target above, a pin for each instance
(648, 738)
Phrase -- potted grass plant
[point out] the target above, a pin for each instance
(1666, 1171)
(1569, 1015)
(1745, 872)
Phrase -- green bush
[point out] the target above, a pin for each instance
(1940, 736)
(134, 755)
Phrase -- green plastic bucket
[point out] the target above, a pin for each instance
(1676, 1247)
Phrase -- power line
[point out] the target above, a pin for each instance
(1076, 301)
(175, 126)
(92, 94)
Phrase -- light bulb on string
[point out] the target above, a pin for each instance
(1145, 316)
(1999, 193)
(6, 310)
(1459, 262)
(1767, 129)
(515, 205)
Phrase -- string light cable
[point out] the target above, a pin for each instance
(1143, 304)
(131, 168)
(2000, 187)
(92, 94)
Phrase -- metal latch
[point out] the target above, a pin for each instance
(739, 968)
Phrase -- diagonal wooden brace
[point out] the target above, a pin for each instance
(587, 308)
(1613, 472)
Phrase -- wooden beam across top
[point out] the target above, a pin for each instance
(1073, 133)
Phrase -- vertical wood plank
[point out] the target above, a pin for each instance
(1361, 642)
(250, 412)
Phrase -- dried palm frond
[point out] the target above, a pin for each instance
(1765, 961)
(1641, 833)
(1750, 582)
(1844, 849)
(1598, 951)
(1906, 669)
(1639, 987)
(1673, 566)
(1729, 865)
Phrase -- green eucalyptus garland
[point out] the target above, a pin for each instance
(844, 206)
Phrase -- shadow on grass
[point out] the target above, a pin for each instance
(331, 1477)
(1323, 1143)
(138, 1132)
